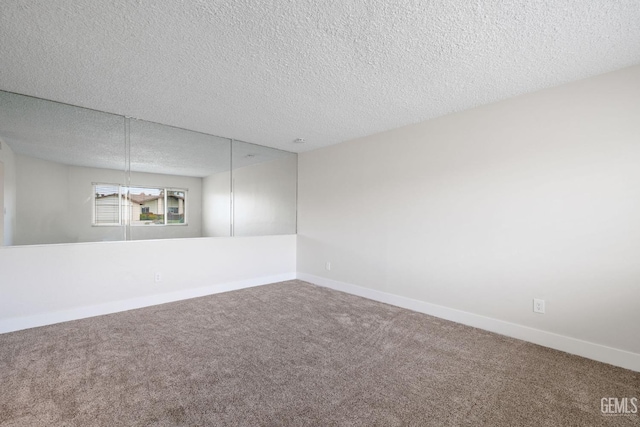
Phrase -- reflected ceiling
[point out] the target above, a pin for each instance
(60, 133)
(157, 148)
(81, 137)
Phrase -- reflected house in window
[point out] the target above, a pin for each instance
(144, 206)
(150, 208)
(147, 208)
(176, 206)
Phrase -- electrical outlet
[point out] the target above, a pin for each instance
(327, 265)
(538, 305)
(158, 277)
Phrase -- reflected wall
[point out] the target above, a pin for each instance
(76, 175)
(264, 190)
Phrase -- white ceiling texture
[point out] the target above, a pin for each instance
(326, 71)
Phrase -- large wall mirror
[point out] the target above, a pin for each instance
(69, 174)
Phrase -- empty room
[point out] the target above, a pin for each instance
(236, 213)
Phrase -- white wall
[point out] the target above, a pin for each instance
(1, 203)
(264, 198)
(7, 157)
(216, 205)
(55, 202)
(51, 283)
(483, 210)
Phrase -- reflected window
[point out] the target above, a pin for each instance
(107, 204)
(139, 206)
(176, 204)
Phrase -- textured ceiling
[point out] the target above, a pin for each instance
(270, 72)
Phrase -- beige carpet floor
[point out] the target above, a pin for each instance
(294, 354)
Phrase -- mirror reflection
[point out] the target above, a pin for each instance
(264, 190)
(69, 174)
(180, 183)
(50, 166)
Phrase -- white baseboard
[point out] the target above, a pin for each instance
(601, 353)
(49, 318)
